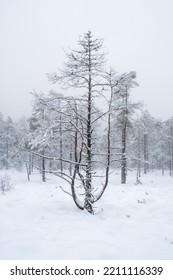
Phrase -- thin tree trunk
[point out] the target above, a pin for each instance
(145, 153)
(139, 155)
(163, 169)
(170, 158)
(123, 141)
(76, 168)
(172, 155)
(43, 168)
(30, 163)
(171, 151)
(123, 158)
(70, 164)
(108, 150)
(7, 155)
(60, 146)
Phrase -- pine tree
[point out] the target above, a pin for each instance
(84, 70)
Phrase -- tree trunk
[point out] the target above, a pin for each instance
(43, 168)
(70, 164)
(139, 155)
(123, 157)
(7, 155)
(145, 153)
(60, 146)
(170, 158)
(88, 184)
(123, 141)
(30, 163)
(171, 152)
(162, 160)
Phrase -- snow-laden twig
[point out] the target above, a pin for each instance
(65, 191)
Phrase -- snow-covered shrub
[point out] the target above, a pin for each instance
(5, 183)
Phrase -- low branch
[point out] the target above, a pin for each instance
(52, 158)
(65, 191)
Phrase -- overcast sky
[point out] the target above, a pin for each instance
(138, 35)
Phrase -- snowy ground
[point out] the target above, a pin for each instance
(39, 221)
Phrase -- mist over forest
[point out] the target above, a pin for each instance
(74, 139)
(89, 154)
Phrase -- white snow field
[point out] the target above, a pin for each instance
(39, 221)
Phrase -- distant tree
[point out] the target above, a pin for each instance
(149, 140)
(169, 134)
(143, 139)
(19, 156)
(40, 133)
(2, 141)
(122, 109)
(9, 142)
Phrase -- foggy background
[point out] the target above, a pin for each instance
(137, 36)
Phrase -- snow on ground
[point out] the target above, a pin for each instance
(39, 221)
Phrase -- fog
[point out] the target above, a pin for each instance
(137, 36)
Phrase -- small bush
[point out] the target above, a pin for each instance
(5, 183)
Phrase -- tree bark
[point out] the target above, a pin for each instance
(145, 153)
(123, 158)
(43, 167)
(124, 140)
(88, 186)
